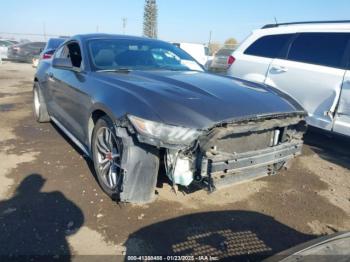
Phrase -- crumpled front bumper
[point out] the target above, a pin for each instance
(225, 169)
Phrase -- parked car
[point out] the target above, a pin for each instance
(222, 60)
(14, 42)
(51, 47)
(4, 45)
(309, 61)
(130, 102)
(199, 52)
(25, 52)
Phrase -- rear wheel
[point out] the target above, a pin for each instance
(39, 106)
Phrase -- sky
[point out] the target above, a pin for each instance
(178, 20)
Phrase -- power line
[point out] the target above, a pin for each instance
(31, 34)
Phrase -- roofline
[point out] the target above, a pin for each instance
(306, 23)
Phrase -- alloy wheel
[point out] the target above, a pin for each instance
(108, 150)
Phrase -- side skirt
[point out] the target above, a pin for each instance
(71, 136)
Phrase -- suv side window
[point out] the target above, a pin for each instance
(268, 46)
(326, 49)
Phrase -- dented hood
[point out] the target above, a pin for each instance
(199, 99)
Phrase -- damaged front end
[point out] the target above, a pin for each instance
(248, 149)
(228, 152)
(238, 151)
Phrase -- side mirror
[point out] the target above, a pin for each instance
(62, 63)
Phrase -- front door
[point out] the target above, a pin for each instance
(70, 101)
(312, 73)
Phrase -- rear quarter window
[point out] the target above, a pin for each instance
(326, 49)
(269, 46)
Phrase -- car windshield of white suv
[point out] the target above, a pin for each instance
(126, 54)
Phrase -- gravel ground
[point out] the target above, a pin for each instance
(51, 205)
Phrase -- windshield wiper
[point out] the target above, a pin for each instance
(122, 70)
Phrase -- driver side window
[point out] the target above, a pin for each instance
(59, 52)
(71, 51)
(74, 53)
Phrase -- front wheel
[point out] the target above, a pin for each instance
(126, 170)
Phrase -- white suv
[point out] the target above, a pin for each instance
(309, 61)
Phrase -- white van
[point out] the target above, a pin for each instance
(307, 60)
(199, 52)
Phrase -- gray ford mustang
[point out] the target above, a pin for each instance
(135, 105)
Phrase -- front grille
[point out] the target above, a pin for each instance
(239, 143)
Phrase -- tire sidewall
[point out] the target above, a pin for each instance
(36, 95)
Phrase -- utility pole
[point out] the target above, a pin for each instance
(209, 42)
(44, 31)
(125, 20)
(97, 28)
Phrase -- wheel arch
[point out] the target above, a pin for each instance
(95, 114)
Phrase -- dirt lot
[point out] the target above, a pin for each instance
(50, 203)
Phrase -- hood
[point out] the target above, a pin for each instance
(199, 99)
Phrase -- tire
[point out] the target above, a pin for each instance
(39, 105)
(125, 169)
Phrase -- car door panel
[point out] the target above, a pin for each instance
(72, 103)
(342, 115)
(315, 87)
(250, 68)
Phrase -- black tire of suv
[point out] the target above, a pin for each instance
(39, 105)
(139, 166)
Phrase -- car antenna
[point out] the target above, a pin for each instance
(276, 22)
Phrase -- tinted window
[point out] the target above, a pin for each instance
(268, 46)
(325, 49)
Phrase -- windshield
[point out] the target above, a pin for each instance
(115, 54)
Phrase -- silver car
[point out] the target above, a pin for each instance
(222, 60)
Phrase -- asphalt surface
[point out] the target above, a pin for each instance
(51, 206)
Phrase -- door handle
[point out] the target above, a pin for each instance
(279, 69)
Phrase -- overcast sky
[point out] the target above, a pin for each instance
(179, 20)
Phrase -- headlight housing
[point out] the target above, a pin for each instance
(162, 134)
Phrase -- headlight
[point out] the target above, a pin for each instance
(167, 134)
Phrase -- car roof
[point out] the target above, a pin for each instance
(318, 26)
(86, 37)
